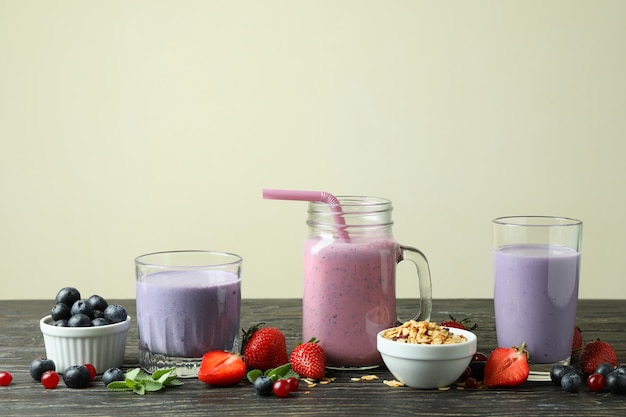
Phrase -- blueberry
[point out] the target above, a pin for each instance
(67, 296)
(616, 382)
(82, 307)
(39, 366)
(101, 321)
(263, 385)
(79, 320)
(115, 313)
(112, 374)
(76, 377)
(60, 323)
(97, 303)
(558, 371)
(604, 369)
(60, 311)
(621, 369)
(571, 382)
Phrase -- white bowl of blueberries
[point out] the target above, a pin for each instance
(85, 331)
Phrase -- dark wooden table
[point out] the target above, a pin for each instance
(21, 341)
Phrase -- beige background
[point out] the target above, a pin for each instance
(136, 126)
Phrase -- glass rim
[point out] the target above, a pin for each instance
(537, 221)
(355, 200)
(234, 259)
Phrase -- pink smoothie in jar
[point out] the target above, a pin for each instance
(349, 296)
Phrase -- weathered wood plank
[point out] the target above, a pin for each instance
(21, 341)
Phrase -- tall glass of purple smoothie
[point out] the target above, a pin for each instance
(536, 261)
(350, 279)
(188, 303)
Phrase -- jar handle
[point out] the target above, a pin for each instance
(423, 274)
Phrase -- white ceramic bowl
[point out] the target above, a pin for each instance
(101, 346)
(427, 366)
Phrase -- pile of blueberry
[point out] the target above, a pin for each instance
(605, 377)
(44, 370)
(71, 311)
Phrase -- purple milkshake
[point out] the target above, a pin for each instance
(535, 299)
(187, 313)
(188, 303)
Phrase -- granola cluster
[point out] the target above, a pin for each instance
(423, 332)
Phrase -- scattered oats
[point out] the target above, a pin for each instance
(355, 379)
(443, 388)
(313, 383)
(422, 332)
(369, 377)
(393, 383)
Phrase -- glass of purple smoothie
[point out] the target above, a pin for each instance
(536, 261)
(188, 303)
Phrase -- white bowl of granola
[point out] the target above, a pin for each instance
(425, 355)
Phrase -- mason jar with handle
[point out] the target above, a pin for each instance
(350, 259)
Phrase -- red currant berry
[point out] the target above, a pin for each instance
(50, 379)
(471, 382)
(294, 383)
(5, 378)
(281, 388)
(596, 382)
(92, 371)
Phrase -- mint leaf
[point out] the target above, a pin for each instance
(152, 385)
(254, 374)
(139, 389)
(143, 376)
(118, 386)
(157, 375)
(132, 374)
(166, 377)
(141, 382)
(281, 372)
(174, 383)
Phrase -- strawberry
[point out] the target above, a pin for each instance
(464, 324)
(221, 368)
(594, 353)
(309, 360)
(507, 367)
(577, 343)
(264, 348)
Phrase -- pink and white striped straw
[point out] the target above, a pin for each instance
(319, 196)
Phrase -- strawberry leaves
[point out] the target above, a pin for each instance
(140, 382)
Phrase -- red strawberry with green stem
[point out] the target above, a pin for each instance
(507, 367)
(594, 353)
(221, 368)
(464, 324)
(309, 360)
(264, 348)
